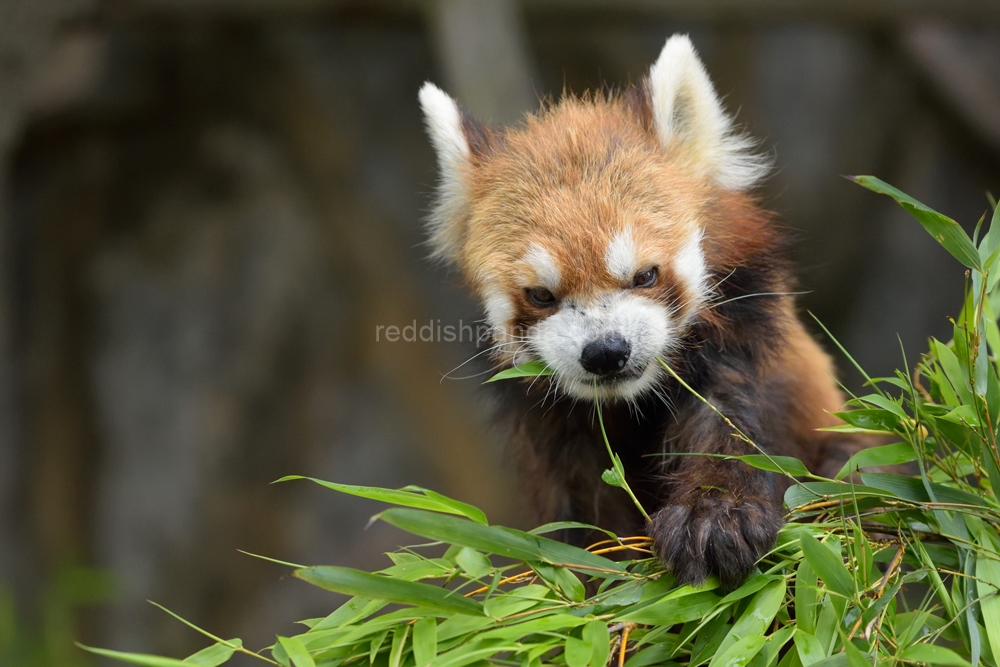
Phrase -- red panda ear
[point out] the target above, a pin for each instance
(689, 119)
(454, 156)
(459, 141)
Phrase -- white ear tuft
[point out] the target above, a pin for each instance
(688, 115)
(444, 125)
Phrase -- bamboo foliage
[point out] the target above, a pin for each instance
(872, 568)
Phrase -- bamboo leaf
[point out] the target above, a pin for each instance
(870, 419)
(806, 591)
(297, 653)
(913, 489)
(829, 566)
(214, 655)
(596, 634)
(945, 231)
(809, 648)
(780, 464)
(496, 540)
(768, 655)
(808, 492)
(355, 582)
(424, 641)
(883, 455)
(739, 653)
(399, 636)
(410, 496)
(855, 658)
(528, 369)
(578, 652)
(673, 610)
(474, 564)
(136, 658)
(933, 655)
(988, 576)
(757, 617)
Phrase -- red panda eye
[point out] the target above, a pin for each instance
(541, 297)
(646, 277)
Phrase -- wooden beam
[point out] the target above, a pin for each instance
(483, 53)
(886, 13)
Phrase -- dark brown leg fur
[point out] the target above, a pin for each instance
(722, 516)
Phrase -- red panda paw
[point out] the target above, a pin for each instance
(715, 533)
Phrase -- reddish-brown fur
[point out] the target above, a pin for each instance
(571, 178)
(583, 159)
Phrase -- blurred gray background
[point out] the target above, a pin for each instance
(207, 206)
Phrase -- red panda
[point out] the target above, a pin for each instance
(605, 232)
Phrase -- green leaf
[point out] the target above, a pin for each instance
(349, 612)
(596, 634)
(913, 489)
(829, 566)
(934, 655)
(378, 640)
(424, 641)
(399, 636)
(570, 584)
(611, 477)
(672, 609)
(708, 634)
(563, 525)
(474, 564)
(554, 622)
(355, 582)
(836, 660)
(740, 653)
(988, 570)
(884, 455)
(768, 656)
(963, 414)
(945, 231)
(528, 369)
(578, 652)
(758, 615)
(496, 540)
(214, 655)
(870, 419)
(808, 647)
(809, 492)
(657, 654)
(626, 594)
(296, 651)
(953, 371)
(137, 658)
(563, 579)
(991, 241)
(780, 464)
(855, 658)
(880, 401)
(410, 496)
(749, 587)
(806, 592)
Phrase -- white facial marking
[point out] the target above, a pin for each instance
(499, 310)
(546, 270)
(620, 257)
(687, 114)
(691, 268)
(444, 125)
(645, 324)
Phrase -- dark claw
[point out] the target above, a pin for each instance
(717, 534)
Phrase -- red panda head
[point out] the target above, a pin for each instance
(585, 230)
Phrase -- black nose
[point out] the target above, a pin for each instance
(606, 355)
